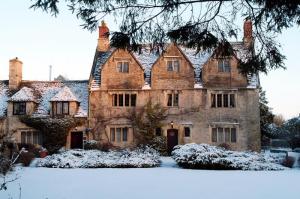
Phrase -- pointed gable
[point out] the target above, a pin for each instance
(25, 94)
(114, 78)
(181, 77)
(64, 95)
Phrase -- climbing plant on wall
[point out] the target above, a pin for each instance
(54, 130)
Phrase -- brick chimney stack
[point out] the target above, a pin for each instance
(248, 38)
(103, 40)
(15, 73)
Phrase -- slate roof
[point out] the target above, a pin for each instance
(25, 94)
(45, 91)
(147, 57)
(64, 95)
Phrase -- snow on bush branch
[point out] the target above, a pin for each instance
(138, 158)
(204, 156)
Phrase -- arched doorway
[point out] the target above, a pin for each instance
(172, 139)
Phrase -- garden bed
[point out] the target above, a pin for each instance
(138, 158)
(204, 156)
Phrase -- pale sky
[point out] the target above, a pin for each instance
(40, 40)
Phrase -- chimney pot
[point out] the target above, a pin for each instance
(15, 73)
(103, 40)
(248, 38)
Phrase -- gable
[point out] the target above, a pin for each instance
(182, 76)
(113, 78)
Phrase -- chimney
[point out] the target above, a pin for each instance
(103, 40)
(15, 73)
(248, 38)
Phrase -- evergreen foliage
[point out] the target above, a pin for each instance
(55, 130)
(266, 115)
(145, 122)
(202, 24)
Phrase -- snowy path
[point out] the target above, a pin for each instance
(167, 181)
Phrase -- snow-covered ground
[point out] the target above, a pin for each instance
(167, 181)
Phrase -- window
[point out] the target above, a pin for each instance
(124, 100)
(112, 134)
(173, 65)
(123, 67)
(221, 135)
(187, 132)
(223, 65)
(158, 132)
(214, 135)
(119, 134)
(232, 100)
(124, 135)
(61, 108)
(31, 137)
(223, 100)
(213, 100)
(19, 108)
(173, 99)
(219, 100)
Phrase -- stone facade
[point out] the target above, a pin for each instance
(236, 115)
(206, 98)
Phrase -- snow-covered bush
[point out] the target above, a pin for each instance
(91, 144)
(204, 156)
(138, 158)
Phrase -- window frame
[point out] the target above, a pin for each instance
(124, 99)
(187, 132)
(118, 134)
(17, 110)
(123, 66)
(60, 108)
(173, 100)
(31, 137)
(173, 65)
(224, 65)
(220, 136)
(222, 100)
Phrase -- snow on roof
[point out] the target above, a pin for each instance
(147, 56)
(197, 60)
(64, 95)
(25, 94)
(48, 90)
(242, 52)
(99, 60)
(3, 98)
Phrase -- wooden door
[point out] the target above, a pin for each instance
(76, 140)
(172, 139)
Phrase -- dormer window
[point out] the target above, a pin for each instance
(19, 108)
(60, 108)
(223, 65)
(173, 65)
(123, 66)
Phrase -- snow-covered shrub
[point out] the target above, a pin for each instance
(204, 156)
(91, 144)
(159, 143)
(138, 158)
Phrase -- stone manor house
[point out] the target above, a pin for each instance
(206, 98)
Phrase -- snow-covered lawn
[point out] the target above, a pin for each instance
(167, 181)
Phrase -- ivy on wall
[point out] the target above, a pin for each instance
(54, 130)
